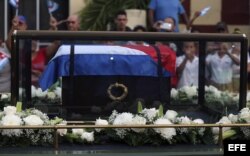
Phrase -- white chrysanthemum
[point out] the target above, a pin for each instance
(233, 118)
(33, 120)
(138, 120)
(5, 96)
(150, 114)
(245, 114)
(166, 133)
(51, 95)
(58, 92)
(123, 119)
(174, 93)
(88, 136)
(78, 131)
(33, 91)
(171, 115)
(184, 120)
(100, 122)
(223, 120)
(11, 120)
(62, 132)
(199, 121)
(9, 110)
(40, 93)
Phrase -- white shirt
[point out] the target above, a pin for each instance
(190, 72)
(220, 68)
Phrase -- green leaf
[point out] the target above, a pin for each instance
(160, 114)
(139, 107)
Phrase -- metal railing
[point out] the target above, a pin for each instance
(56, 127)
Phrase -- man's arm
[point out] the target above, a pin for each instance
(186, 20)
(234, 58)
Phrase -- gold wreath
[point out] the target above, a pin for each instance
(117, 85)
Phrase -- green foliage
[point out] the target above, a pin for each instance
(139, 107)
(98, 13)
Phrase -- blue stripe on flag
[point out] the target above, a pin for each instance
(100, 65)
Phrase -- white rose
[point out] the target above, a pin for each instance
(171, 115)
(223, 120)
(78, 131)
(174, 93)
(150, 114)
(9, 110)
(11, 120)
(33, 120)
(89, 137)
(100, 122)
(245, 116)
(5, 96)
(40, 93)
(51, 95)
(233, 118)
(198, 121)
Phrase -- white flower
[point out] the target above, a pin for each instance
(233, 118)
(40, 93)
(89, 137)
(113, 116)
(166, 133)
(33, 91)
(184, 120)
(123, 119)
(51, 95)
(199, 121)
(245, 114)
(11, 120)
(191, 91)
(62, 132)
(78, 131)
(9, 110)
(171, 115)
(5, 96)
(150, 114)
(174, 93)
(100, 122)
(58, 92)
(33, 120)
(223, 120)
(214, 90)
(138, 120)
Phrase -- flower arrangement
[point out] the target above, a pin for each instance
(14, 116)
(215, 99)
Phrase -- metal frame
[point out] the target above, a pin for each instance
(202, 38)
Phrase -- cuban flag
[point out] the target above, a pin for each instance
(14, 3)
(105, 60)
(52, 6)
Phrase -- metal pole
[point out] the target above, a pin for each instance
(5, 19)
(37, 14)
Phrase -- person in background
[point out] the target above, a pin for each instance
(138, 28)
(121, 22)
(220, 67)
(161, 9)
(221, 27)
(187, 66)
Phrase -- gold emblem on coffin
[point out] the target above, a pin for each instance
(115, 86)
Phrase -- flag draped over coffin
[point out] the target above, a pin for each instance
(106, 60)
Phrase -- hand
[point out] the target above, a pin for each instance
(157, 25)
(197, 14)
